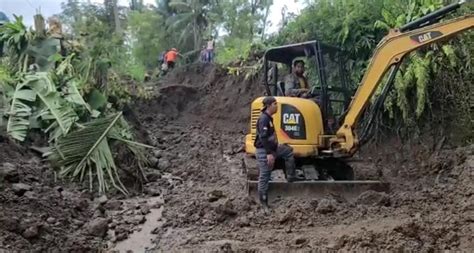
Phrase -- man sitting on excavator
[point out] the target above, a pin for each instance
(296, 84)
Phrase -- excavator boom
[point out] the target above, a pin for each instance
(388, 53)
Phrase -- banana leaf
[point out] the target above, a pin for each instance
(19, 111)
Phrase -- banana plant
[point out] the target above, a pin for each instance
(16, 37)
(20, 111)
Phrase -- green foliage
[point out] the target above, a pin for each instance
(348, 24)
(57, 108)
(68, 100)
(232, 50)
(148, 40)
(357, 26)
(244, 19)
(19, 111)
(16, 38)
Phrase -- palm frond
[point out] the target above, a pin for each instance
(180, 6)
(87, 152)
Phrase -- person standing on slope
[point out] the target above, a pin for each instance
(171, 57)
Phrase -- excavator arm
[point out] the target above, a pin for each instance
(389, 52)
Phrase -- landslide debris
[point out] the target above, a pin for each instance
(198, 122)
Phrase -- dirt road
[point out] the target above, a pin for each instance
(196, 196)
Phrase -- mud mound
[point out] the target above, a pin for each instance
(11, 151)
(204, 93)
(37, 213)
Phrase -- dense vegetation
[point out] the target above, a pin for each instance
(74, 88)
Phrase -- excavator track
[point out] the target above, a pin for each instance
(327, 177)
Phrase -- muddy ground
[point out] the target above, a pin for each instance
(196, 196)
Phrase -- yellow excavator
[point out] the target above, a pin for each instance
(321, 151)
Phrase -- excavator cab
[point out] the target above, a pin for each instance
(326, 74)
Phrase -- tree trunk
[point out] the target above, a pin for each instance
(40, 26)
(267, 12)
(112, 14)
(253, 9)
(118, 30)
(195, 33)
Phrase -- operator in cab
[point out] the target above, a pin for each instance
(268, 150)
(296, 84)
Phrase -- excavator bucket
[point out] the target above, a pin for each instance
(310, 188)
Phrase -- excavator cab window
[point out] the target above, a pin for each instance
(325, 71)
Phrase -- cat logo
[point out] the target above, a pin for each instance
(425, 37)
(291, 118)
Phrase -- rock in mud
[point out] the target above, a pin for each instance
(121, 236)
(51, 220)
(9, 173)
(158, 153)
(215, 195)
(152, 189)
(163, 164)
(326, 206)
(30, 195)
(154, 162)
(31, 232)
(20, 188)
(156, 230)
(243, 222)
(300, 241)
(138, 219)
(373, 198)
(102, 199)
(153, 176)
(145, 209)
(81, 204)
(113, 205)
(226, 248)
(97, 227)
(10, 223)
(287, 217)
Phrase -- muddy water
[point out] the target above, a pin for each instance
(140, 241)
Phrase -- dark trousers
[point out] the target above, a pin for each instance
(283, 151)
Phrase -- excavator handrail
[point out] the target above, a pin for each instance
(390, 51)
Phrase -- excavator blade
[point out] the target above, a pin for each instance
(349, 190)
(339, 181)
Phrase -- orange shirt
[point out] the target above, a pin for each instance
(171, 56)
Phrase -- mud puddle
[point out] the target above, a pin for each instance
(141, 241)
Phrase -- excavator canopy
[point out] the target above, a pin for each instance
(287, 53)
(326, 69)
